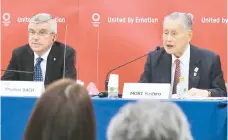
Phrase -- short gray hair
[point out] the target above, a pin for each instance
(149, 120)
(45, 18)
(187, 18)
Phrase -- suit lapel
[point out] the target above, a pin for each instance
(163, 68)
(29, 66)
(194, 68)
(51, 64)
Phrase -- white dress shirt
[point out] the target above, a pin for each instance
(43, 64)
(184, 67)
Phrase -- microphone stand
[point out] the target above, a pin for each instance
(105, 93)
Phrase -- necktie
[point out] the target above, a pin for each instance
(37, 70)
(176, 76)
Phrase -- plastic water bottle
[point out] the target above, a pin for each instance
(180, 88)
(113, 86)
(113, 91)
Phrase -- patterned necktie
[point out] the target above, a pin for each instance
(176, 76)
(37, 76)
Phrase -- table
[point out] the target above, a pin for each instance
(208, 118)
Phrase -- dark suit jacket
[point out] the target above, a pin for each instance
(209, 76)
(23, 60)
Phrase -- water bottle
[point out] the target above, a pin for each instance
(180, 88)
(113, 91)
(113, 86)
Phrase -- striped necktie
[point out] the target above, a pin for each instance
(176, 76)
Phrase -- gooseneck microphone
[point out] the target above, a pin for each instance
(105, 93)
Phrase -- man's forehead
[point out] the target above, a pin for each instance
(40, 26)
(173, 24)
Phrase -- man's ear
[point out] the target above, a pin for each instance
(54, 37)
(190, 33)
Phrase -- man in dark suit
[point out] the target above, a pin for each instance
(43, 57)
(200, 68)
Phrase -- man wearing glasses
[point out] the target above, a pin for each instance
(43, 58)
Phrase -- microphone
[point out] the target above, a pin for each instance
(105, 94)
(17, 71)
(64, 54)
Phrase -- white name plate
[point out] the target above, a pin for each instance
(21, 88)
(146, 91)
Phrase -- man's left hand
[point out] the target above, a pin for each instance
(198, 92)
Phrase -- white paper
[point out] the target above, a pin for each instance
(199, 97)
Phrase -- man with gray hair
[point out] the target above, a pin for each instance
(149, 120)
(200, 68)
(43, 58)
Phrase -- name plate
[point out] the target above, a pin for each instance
(146, 91)
(21, 88)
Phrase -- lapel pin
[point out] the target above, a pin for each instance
(195, 74)
(196, 69)
(54, 59)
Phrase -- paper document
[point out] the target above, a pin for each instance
(199, 97)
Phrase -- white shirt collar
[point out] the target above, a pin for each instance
(44, 56)
(185, 57)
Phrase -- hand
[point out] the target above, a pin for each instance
(197, 92)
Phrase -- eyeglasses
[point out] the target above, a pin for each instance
(40, 33)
